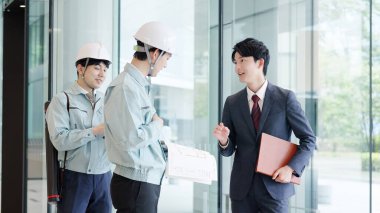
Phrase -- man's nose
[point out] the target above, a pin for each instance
(102, 72)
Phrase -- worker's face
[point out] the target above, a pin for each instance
(94, 76)
(161, 63)
(247, 68)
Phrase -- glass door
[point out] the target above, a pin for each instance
(182, 92)
(38, 54)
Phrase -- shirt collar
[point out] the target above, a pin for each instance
(137, 75)
(81, 90)
(260, 92)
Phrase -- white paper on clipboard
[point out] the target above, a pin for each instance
(190, 164)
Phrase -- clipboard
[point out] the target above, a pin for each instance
(275, 153)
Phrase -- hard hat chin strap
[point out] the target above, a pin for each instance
(85, 67)
(151, 64)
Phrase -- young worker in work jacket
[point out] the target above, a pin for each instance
(78, 135)
(133, 126)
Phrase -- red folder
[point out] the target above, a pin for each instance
(274, 154)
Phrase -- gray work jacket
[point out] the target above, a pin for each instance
(131, 135)
(72, 132)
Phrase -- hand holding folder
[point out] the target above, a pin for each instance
(275, 153)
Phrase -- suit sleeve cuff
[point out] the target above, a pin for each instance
(296, 171)
(224, 146)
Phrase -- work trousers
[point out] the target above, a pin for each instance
(85, 193)
(130, 196)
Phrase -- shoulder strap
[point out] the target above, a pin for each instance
(68, 112)
(68, 103)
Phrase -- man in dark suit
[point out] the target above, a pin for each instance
(260, 107)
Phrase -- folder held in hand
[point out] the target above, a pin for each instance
(275, 153)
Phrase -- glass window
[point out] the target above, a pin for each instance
(375, 106)
(342, 88)
(38, 55)
(181, 92)
(77, 23)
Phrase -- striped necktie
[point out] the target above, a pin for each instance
(256, 113)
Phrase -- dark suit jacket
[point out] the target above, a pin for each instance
(281, 114)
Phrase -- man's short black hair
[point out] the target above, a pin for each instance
(142, 55)
(252, 47)
(92, 61)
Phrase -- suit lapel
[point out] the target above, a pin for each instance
(268, 102)
(244, 109)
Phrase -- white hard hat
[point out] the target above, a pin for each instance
(158, 35)
(94, 50)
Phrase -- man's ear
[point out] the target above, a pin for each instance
(80, 69)
(261, 62)
(154, 55)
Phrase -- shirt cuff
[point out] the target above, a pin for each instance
(224, 146)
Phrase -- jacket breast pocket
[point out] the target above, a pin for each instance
(78, 118)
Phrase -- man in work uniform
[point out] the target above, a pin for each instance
(75, 123)
(132, 125)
